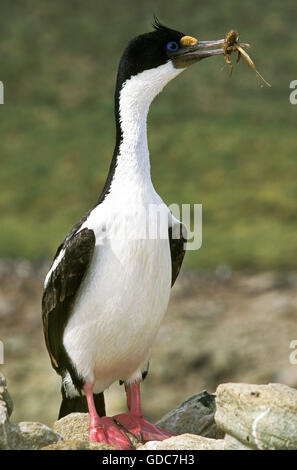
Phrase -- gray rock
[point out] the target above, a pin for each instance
(30, 436)
(194, 416)
(258, 416)
(4, 426)
(17, 436)
(185, 442)
(6, 400)
(2, 380)
(5, 397)
(231, 443)
(6, 407)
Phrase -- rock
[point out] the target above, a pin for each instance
(6, 407)
(4, 426)
(75, 426)
(6, 400)
(77, 444)
(2, 380)
(194, 416)
(30, 436)
(185, 442)
(231, 443)
(5, 396)
(21, 436)
(258, 416)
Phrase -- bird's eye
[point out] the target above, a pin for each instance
(172, 46)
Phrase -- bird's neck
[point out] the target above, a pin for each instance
(130, 166)
(133, 162)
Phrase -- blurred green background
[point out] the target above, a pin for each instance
(225, 143)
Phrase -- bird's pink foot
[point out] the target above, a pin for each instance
(142, 429)
(108, 432)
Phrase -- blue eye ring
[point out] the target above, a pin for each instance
(172, 46)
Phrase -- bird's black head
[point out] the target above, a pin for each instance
(148, 63)
(149, 50)
(160, 46)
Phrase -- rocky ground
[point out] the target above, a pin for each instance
(220, 327)
(238, 417)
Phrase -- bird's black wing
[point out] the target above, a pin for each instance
(59, 295)
(177, 243)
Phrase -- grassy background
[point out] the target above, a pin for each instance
(225, 143)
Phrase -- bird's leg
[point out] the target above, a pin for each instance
(128, 396)
(134, 421)
(104, 429)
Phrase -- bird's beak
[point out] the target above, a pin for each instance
(192, 51)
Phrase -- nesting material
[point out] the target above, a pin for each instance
(232, 45)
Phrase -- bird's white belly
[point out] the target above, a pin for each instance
(118, 311)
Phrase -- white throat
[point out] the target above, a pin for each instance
(137, 93)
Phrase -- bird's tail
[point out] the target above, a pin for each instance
(79, 404)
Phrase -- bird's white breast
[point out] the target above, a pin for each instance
(122, 299)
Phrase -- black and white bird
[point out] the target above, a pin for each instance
(108, 288)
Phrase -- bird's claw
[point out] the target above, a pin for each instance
(142, 429)
(108, 432)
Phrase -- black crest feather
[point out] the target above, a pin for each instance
(159, 26)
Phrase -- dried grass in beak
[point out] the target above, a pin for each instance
(232, 45)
